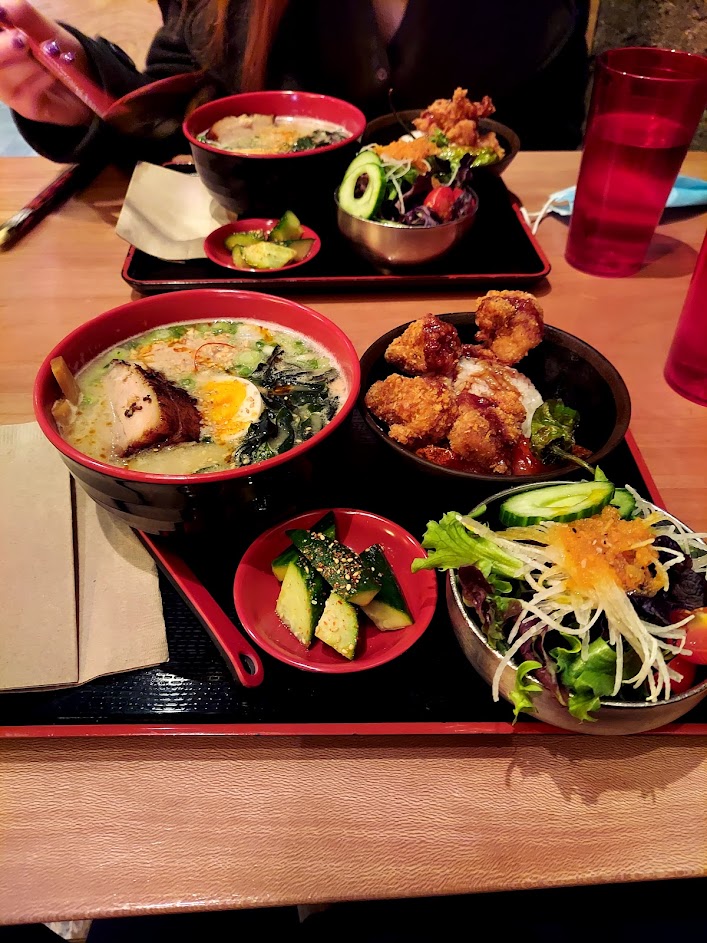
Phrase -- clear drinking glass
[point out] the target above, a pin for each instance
(686, 366)
(645, 108)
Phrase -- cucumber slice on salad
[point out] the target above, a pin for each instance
(370, 171)
(360, 160)
(625, 502)
(560, 503)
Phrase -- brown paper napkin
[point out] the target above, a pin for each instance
(81, 596)
(168, 214)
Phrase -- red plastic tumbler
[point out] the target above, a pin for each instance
(646, 105)
(686, 366)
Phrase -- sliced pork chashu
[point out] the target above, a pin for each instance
(148, 409)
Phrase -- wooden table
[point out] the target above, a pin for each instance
(148, 825)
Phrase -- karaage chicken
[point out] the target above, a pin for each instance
(510, 323)
(426, 346)
(484, 437)
(465, 408)
(418, 410)
(457, 118)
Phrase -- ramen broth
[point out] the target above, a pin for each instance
(271, 134)
(203, 397)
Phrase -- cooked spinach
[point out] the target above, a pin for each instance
(298, 404)
(317, 138)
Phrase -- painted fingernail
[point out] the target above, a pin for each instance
(51, 48)
(68, 56)
(18, 41)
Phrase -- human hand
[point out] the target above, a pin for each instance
(25, 85)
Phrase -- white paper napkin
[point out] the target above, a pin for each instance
(168, 214)
(80, 592)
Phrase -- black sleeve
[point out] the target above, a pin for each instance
(115, 72)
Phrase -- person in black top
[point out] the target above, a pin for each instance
(531, 58)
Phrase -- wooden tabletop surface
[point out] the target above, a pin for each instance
(155, 824)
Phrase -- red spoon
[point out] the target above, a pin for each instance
(155, 110)
(239, 654)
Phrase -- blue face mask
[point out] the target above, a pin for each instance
(688, 191)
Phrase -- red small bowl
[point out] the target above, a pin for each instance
(255, 592)
(262, 184)
(215, 249)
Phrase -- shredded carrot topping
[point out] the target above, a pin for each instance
(605, 547)
(415, 151)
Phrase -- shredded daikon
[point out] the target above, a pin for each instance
(555, 605)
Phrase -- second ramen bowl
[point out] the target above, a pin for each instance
(268, 184)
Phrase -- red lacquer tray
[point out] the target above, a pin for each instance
(429, 689)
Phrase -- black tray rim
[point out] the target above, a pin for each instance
(340, 283)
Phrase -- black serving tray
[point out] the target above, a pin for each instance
(429, 689)
(499, 250)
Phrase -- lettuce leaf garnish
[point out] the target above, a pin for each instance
(525, 689)
(586, 680)
(451, 546)
(484, 597)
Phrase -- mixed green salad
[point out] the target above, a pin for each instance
(417, 185)
(590, 591)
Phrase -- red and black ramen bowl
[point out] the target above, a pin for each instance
(196, 503)
(269, 184)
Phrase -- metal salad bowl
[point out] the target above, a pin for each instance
(392, 245)
(615, 716)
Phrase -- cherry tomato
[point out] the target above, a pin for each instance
(523, 460)
(686, 666)
(441, 200)
(696, 628)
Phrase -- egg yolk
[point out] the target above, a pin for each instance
(223, 405)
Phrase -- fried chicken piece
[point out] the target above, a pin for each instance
(445, 113)
(465, 133)
(510, 323)
(418, 410)
(426, 346)
(484, 437)
(458, 119)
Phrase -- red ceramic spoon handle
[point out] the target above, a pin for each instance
(240, 655)
(47, 50)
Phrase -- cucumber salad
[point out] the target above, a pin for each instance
(587, 589)
(255, 249)
(327, 585)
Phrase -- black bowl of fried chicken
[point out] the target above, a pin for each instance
(463, 123)
(493, 395)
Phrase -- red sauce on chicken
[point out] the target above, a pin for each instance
(441, 346)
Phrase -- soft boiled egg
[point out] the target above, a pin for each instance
(228, 406)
